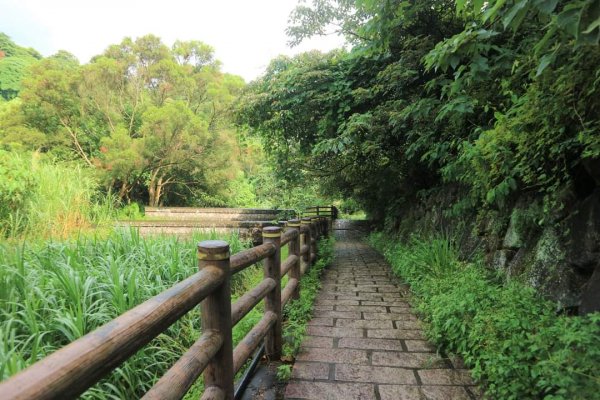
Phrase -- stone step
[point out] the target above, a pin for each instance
(234, 214)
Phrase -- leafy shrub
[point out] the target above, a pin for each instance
(131, 211)
(509, 337)
(284, 372)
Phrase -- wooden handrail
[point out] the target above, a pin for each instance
(288, 291)
(246, 258)
(250, 299)
(288, 236)
(251, 341)
(320, 211)
(289, 263)
(175, 383)
(70, 371)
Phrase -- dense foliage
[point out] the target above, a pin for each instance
(14, 61)
(495, 99)
(508, 336)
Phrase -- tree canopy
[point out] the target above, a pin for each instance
(490, 99)
(153, 120)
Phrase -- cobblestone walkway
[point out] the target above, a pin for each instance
(365, 342)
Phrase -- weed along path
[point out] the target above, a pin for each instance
(365, 341)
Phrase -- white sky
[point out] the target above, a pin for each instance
(246, 34)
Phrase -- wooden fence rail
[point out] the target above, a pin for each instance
(70, 371)
(321, 211)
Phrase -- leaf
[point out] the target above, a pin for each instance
(545, 6)
(490, 13)
(454, 60)
(569, 19)
(486, 34)
(592, 26)
(590, 21)
(541, 45)
(490, 196)
(477, 5)
(544, 62)
(519, 9)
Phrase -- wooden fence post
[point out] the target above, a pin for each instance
(325, 223)
(216, 315)
(272, 269)
(320, 225)
(294, 248)
(314, 237)
(306, 258)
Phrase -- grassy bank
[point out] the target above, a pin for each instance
(54, 292)
(512, 340)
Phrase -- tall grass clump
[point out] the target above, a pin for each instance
(42, 199)
(55, 292)
(512, 339)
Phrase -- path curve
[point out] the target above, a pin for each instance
(365, 341)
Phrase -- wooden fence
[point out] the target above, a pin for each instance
(321, 211)
(70, 371)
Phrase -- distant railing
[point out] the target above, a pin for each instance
(321, 211)
(70, 371)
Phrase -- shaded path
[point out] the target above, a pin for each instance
(364, 341)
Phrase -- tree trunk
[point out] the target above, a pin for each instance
(159, 190)
(124, 191)
(155, 189)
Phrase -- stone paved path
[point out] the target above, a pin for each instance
(365, 342)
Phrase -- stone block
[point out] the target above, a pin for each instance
(370, 344)
(329, 391)
(370, 374)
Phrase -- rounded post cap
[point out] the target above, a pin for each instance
(213, 250)
(271, 232)
(306, 220)
(294, 223)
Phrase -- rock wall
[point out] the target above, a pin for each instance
(561, 259)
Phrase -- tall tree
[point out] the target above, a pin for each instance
(141, 112)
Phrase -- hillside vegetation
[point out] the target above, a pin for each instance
(493, 101)
(476, 118)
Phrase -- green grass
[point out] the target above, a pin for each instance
(356, 216)
(54, 292)
(512, 340)
(41, 199)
